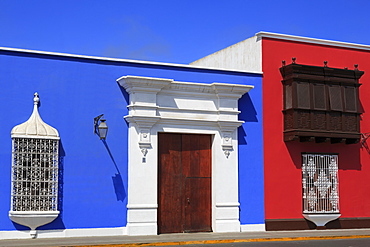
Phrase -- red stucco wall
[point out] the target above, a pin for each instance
(283, 186)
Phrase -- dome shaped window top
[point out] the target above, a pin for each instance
(34, 195)
(34, 127)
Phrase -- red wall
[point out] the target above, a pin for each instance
(283, 186)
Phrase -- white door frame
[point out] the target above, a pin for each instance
(164, 105)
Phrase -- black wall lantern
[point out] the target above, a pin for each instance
(100, 127)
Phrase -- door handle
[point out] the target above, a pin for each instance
(188, 200)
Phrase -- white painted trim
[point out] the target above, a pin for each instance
(228, 204)
(65, 233)
(33, 219)
(35, 137)
(163, 105)
(312, 40)
(321, 219)
(253, 228)
(120, 60)
(142, 206)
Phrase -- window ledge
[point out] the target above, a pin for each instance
(321, 220)
(33, 219)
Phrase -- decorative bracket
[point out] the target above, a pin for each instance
(144, 125)
(227, 144)
(144, 142)
(364, 137)
(227, 129)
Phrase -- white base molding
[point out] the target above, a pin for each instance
(253, 228)
(65, 233)
(227, 217)
(320, 220)
(227, 226)
(113, 231)
(142, 229)
(142, 219)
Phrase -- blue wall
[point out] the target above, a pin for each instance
(251, 173)
(94, 174)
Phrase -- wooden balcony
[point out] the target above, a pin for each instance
(321, 104)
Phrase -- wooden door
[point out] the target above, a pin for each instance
(184, 183)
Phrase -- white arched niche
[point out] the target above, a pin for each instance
(164, 105)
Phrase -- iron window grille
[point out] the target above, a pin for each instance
(34, 174)
(320, 183)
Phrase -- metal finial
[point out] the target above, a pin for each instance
(325, 63)
(283, 62)
(293, 59)
(36, 99)
(356, 66)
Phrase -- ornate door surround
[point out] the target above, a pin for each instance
(164, 105)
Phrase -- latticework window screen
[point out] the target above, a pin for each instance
(34, 174)
(320, 183)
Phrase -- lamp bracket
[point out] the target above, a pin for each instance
(96, 123)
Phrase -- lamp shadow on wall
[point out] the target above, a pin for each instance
(119, 188)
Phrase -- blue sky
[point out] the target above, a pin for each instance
(175, 31)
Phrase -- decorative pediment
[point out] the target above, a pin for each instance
(156, 100)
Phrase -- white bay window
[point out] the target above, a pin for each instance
(34, 193)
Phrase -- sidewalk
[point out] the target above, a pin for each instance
(190, 238)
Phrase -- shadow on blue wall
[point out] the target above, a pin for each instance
(119, 188)
(242, 136)
(58, 222)
(248, 114)
(125, 94)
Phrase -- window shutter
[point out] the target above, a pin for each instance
(303, 95)
(350, 99)
(288, 96)
(335, 97)
(319, 97)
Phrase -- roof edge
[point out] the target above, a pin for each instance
(108, 59)
(263, 34)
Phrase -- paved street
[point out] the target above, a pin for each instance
(357, 237)
(357, 242)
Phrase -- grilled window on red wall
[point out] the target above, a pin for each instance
(320, 183)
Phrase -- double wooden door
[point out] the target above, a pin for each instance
(184, 183)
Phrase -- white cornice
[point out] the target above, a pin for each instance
(120, 60)
(312, 40)
(134, 84)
